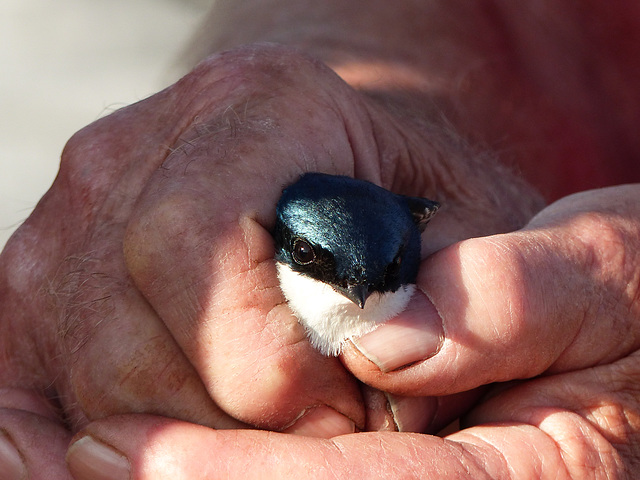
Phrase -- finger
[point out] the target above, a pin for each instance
(606, 395)
(386, 412)
(560, 295)
(590, 411)
(398, 413)
(33, 440)
(199, 247)
(152, 447)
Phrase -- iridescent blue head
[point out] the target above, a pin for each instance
(350, 234)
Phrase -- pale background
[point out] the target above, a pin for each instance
(65, 63)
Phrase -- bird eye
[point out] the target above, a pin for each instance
(302, 252)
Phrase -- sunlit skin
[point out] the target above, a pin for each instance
(140, 312)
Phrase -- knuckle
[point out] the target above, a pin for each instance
(79, 176)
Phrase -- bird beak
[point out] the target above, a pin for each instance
(358, 294)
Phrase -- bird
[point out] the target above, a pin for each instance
(347, 254)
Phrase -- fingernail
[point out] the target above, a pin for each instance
(414, 335)
(11, 463)
(412, 414)
(89, 459)
(322, 422)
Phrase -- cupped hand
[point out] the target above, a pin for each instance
(551, 311)
(144, 279)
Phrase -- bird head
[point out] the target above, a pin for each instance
(350, 234)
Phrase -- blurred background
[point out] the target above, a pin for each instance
(66, 63)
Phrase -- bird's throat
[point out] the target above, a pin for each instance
(329, 317)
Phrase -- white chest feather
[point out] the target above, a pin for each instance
(330, 318)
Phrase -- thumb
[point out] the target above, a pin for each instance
(556, 296)
(149, 447)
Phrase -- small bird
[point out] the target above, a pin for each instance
(347, 254)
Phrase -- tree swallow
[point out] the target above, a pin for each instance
(347, 254)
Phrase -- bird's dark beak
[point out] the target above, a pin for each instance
(358, 294)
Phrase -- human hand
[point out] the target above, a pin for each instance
(144, 281)
(551, 309)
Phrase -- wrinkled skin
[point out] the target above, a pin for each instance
(140, 306)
